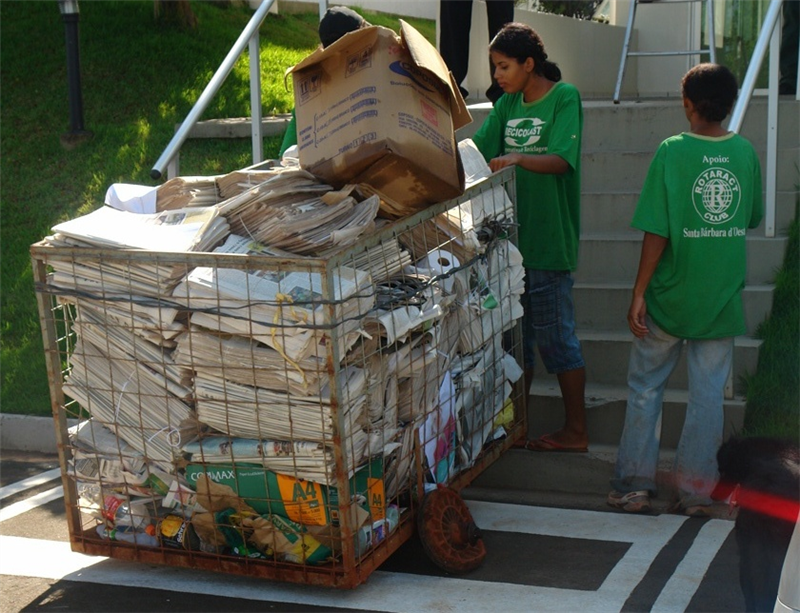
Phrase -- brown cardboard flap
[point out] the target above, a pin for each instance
(358, 38)
(426, 56)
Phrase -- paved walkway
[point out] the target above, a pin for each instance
(538, 559)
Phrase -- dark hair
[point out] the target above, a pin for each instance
(338, 21)
(712, 89)
(520, 41)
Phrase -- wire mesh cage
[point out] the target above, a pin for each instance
(270, 398)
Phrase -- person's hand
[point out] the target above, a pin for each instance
(509, 159)
(636, 317)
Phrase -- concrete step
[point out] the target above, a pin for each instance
(632, 126)
(605, 306)
(605, 412)
(607, 353)
(617, 171)
(238, 127)
(528, 476)
(614, 258)
(641, 126)
(611, 212)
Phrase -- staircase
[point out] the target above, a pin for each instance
(618, 144)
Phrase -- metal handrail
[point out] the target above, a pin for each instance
(249, 36)
(770, 34)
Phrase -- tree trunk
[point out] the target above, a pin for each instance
(177, 12)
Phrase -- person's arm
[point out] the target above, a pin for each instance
(549, 164)
(653, 247)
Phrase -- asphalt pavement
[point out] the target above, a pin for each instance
(544, 553)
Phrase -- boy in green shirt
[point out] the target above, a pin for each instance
(702, 192)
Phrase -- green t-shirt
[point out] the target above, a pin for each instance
(548, 206)
(701, 193)
(290, 136)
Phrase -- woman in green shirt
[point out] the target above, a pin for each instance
(536, 126)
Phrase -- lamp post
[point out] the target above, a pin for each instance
(77, 134)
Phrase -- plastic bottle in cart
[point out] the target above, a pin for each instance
(147, 538)
(113, 508)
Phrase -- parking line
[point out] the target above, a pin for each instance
(29, 483)
(682, 585)
(37, 500)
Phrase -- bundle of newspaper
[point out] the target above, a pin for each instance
(124, 338)
(381, 261)
(131, 400)
(182, 192)
(294, 212)
(137, 273)
(178, 230)
(284, 310)
(259, 413)
(483, 381)
(238, 181)
(302, 459)
(243, 360)
(495, 288)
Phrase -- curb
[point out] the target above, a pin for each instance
(29, 433)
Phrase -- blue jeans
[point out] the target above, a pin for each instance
(549, 321)
(653, 358)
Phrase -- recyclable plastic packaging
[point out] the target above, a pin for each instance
(146, 538)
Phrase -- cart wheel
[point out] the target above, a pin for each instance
(448, 533)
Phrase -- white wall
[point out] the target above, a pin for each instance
(425, 9)
(587, 52)
(665, 26)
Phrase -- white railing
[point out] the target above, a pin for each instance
(248, 37)
(771, 34)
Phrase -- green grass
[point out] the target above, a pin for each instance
(139, 79)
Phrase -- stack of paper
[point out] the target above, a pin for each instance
(488, 204)
(242, 360)
(258, 413)
(181, 192)
(238, 181)
(381, 261)
(123, 341)
(302, 459)
(294, 212)
(179, 230)
(491, 304)
(132, 400)
(282, 309)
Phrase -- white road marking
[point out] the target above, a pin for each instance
(647, 534)
(30, 482)
(682, 585)
(384, 591)
(34, 501)
(400, 592)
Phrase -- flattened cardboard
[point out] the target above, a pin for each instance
(382, 110)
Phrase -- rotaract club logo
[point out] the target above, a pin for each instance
(716, 195)
(523, 132)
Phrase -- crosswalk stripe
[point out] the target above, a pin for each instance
(384, 591)
(686, 578)
(29, 483)
(37, 500)
(400, 591)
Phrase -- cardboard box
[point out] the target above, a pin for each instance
(304, 502)
(381, 110)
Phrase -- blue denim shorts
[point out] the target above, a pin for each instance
(549, 321)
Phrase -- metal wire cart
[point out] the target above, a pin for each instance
(266, 398)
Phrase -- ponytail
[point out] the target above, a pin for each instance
(550, 70)
(520, 41)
